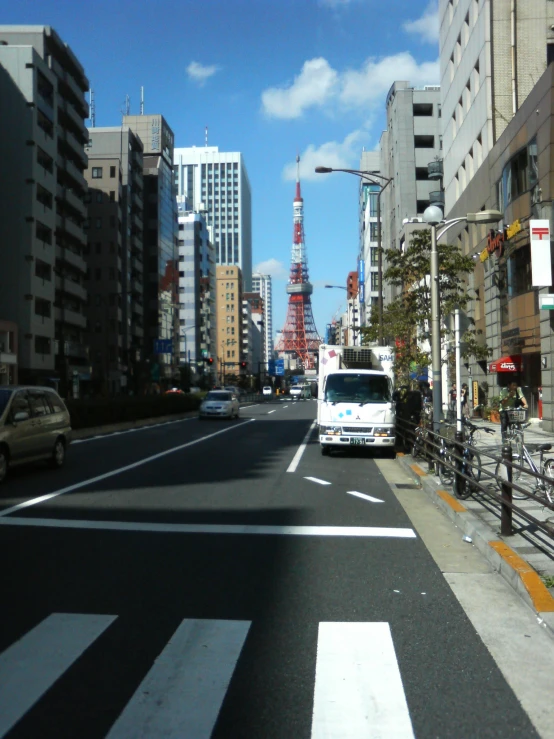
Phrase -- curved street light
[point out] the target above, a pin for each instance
(367, 176)
(434, 217)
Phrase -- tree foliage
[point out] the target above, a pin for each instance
(407, 319)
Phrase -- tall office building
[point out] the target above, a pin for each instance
(197, 319)
(491, 56)
(261, 284)
(115, 257)
(408, 146)
(229, 292)
(42, 204)
(217, 183)
(161, 319)
(368, 232)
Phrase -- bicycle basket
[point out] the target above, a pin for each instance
(516, 415)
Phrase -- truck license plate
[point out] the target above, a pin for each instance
(357, 441)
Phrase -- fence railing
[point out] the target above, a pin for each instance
(473, 470)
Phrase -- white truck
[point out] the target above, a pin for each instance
(354, 403)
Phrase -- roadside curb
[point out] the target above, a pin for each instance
(519, 574)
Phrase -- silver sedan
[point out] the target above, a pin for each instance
(219, 403)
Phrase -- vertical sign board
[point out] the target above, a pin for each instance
(475, 393)
(541, 265)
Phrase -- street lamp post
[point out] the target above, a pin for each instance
(434, 217)
(367, 176)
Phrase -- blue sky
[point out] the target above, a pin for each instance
(270, 79)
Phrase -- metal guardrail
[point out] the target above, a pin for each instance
(461, 456)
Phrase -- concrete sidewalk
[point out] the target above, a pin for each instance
(525, 559)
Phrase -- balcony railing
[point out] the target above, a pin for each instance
(437, 198)
(435, 170)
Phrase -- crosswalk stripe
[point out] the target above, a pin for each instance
(31, 665)
(358, 689)
(181, 695)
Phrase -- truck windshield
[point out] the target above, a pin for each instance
(343, 388)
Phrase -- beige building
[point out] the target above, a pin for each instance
(114, 254)
(42, 204)
(229, 293)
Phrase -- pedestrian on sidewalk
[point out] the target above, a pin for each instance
(511, 397)
(464, 400)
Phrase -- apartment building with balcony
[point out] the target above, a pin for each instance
(229, 296)
(114, 255)
(410, 142)
(160, 229)
(197, 315)
(42, 208)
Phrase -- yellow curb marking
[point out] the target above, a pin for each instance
(452, 502)
(400, 454)
(540, 596)
(417, 469)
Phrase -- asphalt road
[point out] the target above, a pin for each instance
(203, 579)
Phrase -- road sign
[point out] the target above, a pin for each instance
(163, 346)
(279, 367)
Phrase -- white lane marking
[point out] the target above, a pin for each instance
(286, 406)
(316, 479)
(106, 475)
(270, 412)
(201, 528)
(181, 695)
(30, 666)
(358, 689)
(131, 431)
(300, 451)
(364, 496)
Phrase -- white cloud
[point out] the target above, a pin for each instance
(334, 154)
(426, 27)
(313, 86)
(272, 267)
(319, 85)
(199, 73)
(373, 80)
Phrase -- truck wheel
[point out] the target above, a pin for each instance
(325, 451)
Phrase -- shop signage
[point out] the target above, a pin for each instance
(511, 332)
(541, 262)
(496, 239)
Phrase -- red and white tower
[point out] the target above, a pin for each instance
(299, 337)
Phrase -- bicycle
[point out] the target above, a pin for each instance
(470, 461)
(525, 456)
(421, 431)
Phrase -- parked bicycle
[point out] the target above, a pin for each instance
(524, 458)
(470, 461)
(421, 432)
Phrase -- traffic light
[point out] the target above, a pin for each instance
(243, 365)
(209, 360)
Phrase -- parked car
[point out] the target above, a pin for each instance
(34, 425)
(296, 391)
(219, 403)
(267, 390)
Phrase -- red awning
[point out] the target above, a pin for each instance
(507, 364)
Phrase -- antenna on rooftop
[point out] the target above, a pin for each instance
(92, 106)
(142, 100)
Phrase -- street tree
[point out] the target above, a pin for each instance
(407, 319)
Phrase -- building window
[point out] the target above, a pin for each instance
(42, 308)
(43, 270)
(112, 172)
(374, 256)
(374, 280)
(98, 274)
(373, 231)
(96, 173)
(97, 223)
(43, 345)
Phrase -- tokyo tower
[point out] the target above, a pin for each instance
(299, 337)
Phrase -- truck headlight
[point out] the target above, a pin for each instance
(383, 431)
(337, 430)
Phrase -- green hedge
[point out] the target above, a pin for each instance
(102, 411)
